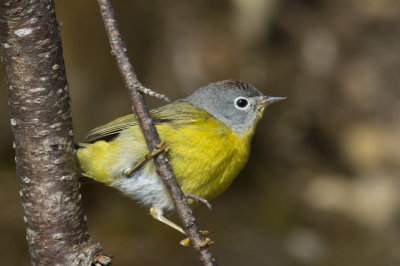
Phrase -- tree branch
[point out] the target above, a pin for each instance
(164, 169)
(41, 122)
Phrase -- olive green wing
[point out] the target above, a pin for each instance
(108, 131)
(177, 112)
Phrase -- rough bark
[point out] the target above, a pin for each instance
(41, 122)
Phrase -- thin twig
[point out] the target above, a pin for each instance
(200, 199)
(163, 167)
(152, 93)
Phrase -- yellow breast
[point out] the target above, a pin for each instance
(206, 156)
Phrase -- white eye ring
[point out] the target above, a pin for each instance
(241, 103)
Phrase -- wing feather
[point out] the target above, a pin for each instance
(177, 112)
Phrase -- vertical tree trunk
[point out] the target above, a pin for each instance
(40, 118)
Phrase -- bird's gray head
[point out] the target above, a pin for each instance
(238, 104)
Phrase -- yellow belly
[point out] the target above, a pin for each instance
(206, 156)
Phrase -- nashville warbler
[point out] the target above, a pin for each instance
(207, 137)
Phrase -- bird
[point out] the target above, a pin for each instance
(206, 137)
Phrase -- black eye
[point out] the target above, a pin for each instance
(241, 103)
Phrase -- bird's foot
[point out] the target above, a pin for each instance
(207, 241)
(162, 147)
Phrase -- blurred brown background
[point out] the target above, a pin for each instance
(321, 186)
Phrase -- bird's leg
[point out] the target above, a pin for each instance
(160, 148)
(157, 214)
(198, 198)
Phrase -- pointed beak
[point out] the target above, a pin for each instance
(267, 100)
